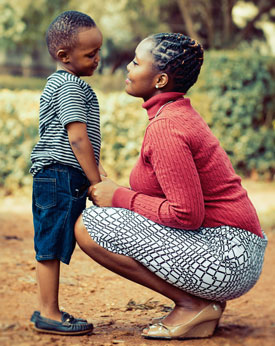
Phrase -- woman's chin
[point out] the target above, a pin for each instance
(128, 90)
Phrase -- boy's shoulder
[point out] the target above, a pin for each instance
(59, 79)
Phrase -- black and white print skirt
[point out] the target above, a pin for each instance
(218, 263)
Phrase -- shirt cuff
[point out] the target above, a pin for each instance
(122, 198)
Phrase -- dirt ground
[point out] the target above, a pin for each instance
(118, 308)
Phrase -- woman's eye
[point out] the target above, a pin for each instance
(135, 63)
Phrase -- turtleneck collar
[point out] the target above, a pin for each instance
(154, 103)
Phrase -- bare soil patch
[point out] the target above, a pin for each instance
(118, 308)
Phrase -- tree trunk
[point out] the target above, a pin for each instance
(184, 7)
(227, 6)
(208, 22)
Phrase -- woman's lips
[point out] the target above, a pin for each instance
(127, 81)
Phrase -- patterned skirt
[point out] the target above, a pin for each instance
(218, 263)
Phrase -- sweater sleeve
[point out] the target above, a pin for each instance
(167, 151)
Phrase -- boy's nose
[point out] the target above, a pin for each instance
(97, 58)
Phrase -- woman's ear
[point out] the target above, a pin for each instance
(63, 56)
(162, 81)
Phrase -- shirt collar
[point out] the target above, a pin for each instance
(154, 103)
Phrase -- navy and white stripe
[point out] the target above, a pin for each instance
(65, 99)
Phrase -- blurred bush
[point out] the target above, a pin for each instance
(21, 83)
(241, 101)
(235, 95)
(18, 133)
(123, 122)
(104, 82)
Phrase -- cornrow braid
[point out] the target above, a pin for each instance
(62, 32)
(179, 56)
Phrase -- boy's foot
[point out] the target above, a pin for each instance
(37, 313)
(34, 316)
(67, 326)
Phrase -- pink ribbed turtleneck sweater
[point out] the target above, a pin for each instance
(183, 178)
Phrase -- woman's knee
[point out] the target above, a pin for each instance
(83, 238)
(80, 230)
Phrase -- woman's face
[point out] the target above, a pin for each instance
(142, 75)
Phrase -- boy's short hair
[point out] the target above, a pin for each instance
(62, 32)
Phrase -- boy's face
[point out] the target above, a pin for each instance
(82, 60)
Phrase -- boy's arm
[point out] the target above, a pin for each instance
(102, 170)
(83, 150)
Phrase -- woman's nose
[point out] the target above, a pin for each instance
(128, 67)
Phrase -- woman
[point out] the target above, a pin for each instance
(186, 228)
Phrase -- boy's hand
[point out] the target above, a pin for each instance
(89, 194)
(102, 193)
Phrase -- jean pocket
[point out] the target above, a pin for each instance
(44, 190)
(78, 186)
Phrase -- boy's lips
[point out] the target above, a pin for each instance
(127, 81)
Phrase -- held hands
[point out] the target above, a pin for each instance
(102, 193)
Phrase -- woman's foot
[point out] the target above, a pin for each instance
(190, 321)
(185, 311)
(161, 318)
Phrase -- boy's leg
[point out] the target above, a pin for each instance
(47, 274)
(55, 202)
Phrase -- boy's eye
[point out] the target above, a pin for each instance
(92, 55)
(135, 63)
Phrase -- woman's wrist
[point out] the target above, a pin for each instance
(122, 197)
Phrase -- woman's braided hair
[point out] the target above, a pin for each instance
(179, 56)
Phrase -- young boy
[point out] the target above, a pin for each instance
(64, 161)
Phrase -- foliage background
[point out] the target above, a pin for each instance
(225, 24)
(235, 93)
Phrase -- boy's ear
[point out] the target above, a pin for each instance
(63, 56)
(163, 80)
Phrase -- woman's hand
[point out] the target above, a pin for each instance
(102, 193)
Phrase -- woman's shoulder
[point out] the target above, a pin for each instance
(179, 115)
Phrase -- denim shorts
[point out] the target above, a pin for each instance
(59, 197)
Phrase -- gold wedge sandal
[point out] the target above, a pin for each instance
(201, 326)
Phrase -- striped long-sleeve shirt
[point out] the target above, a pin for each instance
(65, 99)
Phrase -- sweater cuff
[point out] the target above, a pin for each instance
(122, 198)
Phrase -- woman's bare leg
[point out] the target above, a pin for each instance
(186, 305)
